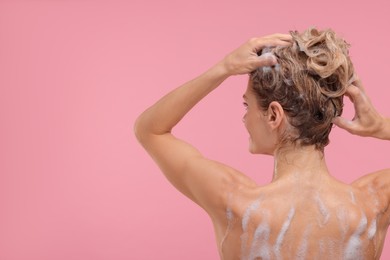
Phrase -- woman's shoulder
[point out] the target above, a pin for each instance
(375, 185)
(377, 179)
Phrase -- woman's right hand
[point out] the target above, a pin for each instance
(245, 59)
(367, 121)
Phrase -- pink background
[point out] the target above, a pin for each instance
(74, 183)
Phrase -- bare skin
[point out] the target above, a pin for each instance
(367, 121)
(304, 213)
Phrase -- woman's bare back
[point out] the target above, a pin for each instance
(328, 220)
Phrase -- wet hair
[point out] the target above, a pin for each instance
(309, 82)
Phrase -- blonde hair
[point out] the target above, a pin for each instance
(309, 82)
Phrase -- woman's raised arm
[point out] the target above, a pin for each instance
(200, 179)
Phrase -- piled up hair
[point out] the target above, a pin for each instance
(309, 82)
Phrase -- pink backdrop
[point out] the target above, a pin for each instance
(74, 183)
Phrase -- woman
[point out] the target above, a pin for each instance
(294, 94)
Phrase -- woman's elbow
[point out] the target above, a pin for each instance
(139, 129)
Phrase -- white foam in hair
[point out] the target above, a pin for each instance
(266, 54)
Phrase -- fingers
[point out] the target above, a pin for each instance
(246, 58)
(272, 40)
(357, 97)
(275, 41)
(358, 100)
(277, 36)
(282, 36)
(358, 83)
(266, 59)
(344, 124)
(352, 92)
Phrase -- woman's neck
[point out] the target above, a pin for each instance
(299, 164)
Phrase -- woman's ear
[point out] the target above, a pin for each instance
(275, 115)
